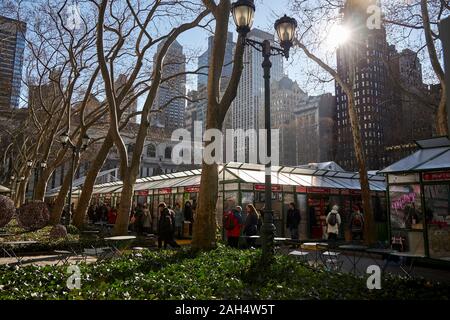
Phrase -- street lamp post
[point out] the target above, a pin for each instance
(243, 13)
(65, 141)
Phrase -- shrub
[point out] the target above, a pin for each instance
(58, 231)
(33, 216)
(71, 229)
(7, 210)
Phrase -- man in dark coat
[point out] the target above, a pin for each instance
(293, 220)
(165, 228)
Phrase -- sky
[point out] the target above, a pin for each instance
(267, 12)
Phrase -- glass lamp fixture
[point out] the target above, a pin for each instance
(243, 12)
(285, 27)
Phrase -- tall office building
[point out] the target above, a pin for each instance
(205, 58)
(12, 45)
(409, 119)
(247, 110)
(363, 57)
(171, 93)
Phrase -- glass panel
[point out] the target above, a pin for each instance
(247, 198)
(406, 207)
(437, 213)
(408, 241)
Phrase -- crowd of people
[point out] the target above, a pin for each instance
(142, 219)
(170, 222)
(235, 226)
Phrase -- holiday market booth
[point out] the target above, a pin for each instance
(419, 200)
(313, 190)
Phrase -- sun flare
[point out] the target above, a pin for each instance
(338, 36)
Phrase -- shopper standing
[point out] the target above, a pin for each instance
(251, 224)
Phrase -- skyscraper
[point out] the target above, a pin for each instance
(247, 110)
(205, 58)
(172, 91)
(129, 99)
(363, 58)
(12, 45)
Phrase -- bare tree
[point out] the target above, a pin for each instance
(204, 236)
(109, 26)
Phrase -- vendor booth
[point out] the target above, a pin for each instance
(314, 191)
(419, 200)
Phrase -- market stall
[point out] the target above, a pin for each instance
(419, 200)
(313, 191)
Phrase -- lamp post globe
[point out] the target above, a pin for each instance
(29, 163)
(285, 28)
(243, 12)
(43, 164)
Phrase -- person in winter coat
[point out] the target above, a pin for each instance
(165, 228)
(148, 219)
(333, 221)
(232, 225)
(189, 215)
(179, 220)
(112, 215)
(293, 220)
(357, 224)
(251, 224)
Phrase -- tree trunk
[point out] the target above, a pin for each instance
(91, 177)
(369, 223)
(441, 121)
(41, 185)
(204, 230)
(20, 197)
(123, 215)
(61, 201)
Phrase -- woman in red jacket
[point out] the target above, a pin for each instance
(232, 224)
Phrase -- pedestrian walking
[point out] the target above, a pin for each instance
(333, 221)
(165, 228)
(293, 220)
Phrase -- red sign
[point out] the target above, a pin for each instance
(301, 189)
(355, 192)
(165, 190)
(262, 187)
(142, 193)
(437, 176)
(194, 189)
(318, 190)
(334, 191)
(345, 192)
